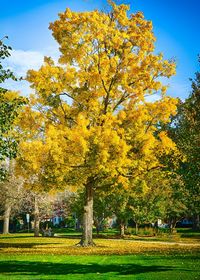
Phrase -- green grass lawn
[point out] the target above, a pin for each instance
(24, 257)
(188, 233)
(100, 267)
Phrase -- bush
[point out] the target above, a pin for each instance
(130, 231)
(70, 222)
(147, 231)
(162, 231)
(46, 224)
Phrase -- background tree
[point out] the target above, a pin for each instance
(186, 133)
(147, 201)
(12, 195)
(97, 122)
(10, 102)
(102, 209)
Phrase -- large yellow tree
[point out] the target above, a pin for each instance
(97, 123)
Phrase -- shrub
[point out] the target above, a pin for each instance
(147, 231)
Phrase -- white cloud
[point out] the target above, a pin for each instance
(21, 61)
(21, 86)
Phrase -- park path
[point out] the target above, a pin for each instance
(161, 242)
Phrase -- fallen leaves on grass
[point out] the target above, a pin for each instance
(55, 246)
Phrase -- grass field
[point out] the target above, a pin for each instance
(24, 257)
(99, 267)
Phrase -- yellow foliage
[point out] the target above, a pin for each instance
(89, 114)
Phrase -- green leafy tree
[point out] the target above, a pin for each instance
(10, 102)
(185, 131)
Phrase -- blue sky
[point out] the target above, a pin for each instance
(176, 26)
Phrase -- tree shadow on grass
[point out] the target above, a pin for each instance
(50, 268)
(191, 236)
(14, 237)
(22, 245)
(67, 236)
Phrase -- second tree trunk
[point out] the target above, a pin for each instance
(36, 218)
(6, 218)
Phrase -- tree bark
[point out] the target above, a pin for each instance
(97, 225)
(122, 229)
(36, 218)
(6, 218)
(86, 239)
(196, 222)
(136, 228)
(156, 227)
(173, 225)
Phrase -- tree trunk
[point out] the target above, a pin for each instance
(156, 228)
(78, 225)
(196, 222)
(136, 228)
(97, 224)
(172, 226)
(122, 229)
(86, 239)
(6, 218)
(36, 218)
